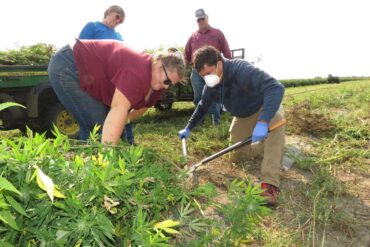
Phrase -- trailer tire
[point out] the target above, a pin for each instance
(163, 106)
(12, 117)
(57, 115)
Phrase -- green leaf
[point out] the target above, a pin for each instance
(41, 147)
(46, 183)
(170, 230)
(9, 104)
(59, 205)
(7, 218)
(61, 234)
(166, 224)
(16, 205)
(3, 203)
(79, 161)
(78, 243)
(6, 185)
(5, 244)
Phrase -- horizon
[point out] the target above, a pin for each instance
(304, 39)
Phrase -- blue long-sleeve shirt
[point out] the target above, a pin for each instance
(243, 91)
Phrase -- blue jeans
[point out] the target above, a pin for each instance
(198, 83)
(64, 78)
(128, 133)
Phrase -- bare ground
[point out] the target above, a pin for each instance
(355, 202)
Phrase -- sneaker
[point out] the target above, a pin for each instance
(270, 193)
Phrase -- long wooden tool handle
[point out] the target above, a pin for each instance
(277, 125)
(235, 146)
(242, 142)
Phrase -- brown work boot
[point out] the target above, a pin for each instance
(270, 193)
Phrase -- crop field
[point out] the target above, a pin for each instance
(60, 192)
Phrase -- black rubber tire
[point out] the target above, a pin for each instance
(163, 106)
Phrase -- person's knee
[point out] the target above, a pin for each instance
(278, 116)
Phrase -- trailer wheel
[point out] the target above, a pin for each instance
(163, 106)
(57, 115)
(12, 117)
(6, 119)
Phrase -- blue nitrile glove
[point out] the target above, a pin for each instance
(260, 131)
(185, 133)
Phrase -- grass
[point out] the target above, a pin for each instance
(342, 149)
(324, 199)
(337, 127)
(337, 102)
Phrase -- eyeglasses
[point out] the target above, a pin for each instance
(201, 19)
(166, 82)
(118, 17)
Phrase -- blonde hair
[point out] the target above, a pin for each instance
(173, 60)
(116, 9)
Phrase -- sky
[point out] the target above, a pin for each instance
(294, 38)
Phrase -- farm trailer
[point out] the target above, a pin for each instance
(29, 86)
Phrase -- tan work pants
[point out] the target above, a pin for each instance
(272, 147)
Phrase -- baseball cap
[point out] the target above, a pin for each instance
(199, 14)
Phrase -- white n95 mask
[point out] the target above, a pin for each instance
(212, 80)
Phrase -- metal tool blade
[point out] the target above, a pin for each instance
(183, 141)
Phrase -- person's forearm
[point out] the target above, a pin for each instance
(272, 100)
(113, 126)
(136, 113)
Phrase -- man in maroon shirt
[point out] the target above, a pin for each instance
(105, 82)
(206, 35)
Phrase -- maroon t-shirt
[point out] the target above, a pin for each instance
(105, 65)
(213, 37)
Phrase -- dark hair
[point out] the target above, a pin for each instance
(206, 55)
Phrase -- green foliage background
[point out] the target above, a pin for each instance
(38, 54)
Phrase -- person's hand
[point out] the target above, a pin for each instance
(185, 133)
(260, 131)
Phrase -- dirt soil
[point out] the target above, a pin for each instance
(356, 201)
(303, 119)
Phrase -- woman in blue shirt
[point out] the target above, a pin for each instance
(105, 29)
